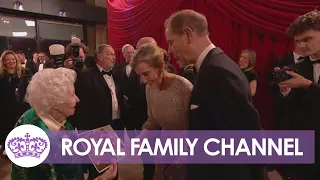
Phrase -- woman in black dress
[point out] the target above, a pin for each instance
(10, 74)
(247, 60)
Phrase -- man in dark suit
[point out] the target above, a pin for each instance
(282, 105)
(100, 98)
(29, 65)
(134, 112)
(302, 91)
(220, 99)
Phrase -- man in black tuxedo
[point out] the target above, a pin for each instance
(29, 65)
(302, 91)
(100, 98)
(220, 99)
(283, 106)
(134, 112)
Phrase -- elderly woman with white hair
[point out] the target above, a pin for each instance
(52, 98)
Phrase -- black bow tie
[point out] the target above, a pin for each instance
(301, 58)
(109, 73)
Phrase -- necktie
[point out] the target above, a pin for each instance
(301, 58)
(109, 73)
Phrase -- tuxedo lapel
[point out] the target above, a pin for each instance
(123, 71)
(306, 69)
(101, 79)
(133, 75)
(200, 79)
(290, 59)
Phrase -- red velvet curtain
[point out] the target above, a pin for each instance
(233, 25)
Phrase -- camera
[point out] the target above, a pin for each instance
(57, 54)
(75, 46)
(281, 75)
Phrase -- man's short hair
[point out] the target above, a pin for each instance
(125, 46)
(308, 21)
(100, 50)
(187, 18)
(19, 52)
(146, 40)
(82, 46)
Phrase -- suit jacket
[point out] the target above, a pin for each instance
(31, 67)
(134, 113)
(222, 95)
(301, 112)
(95, 107)
(282, 105)
(304, 103)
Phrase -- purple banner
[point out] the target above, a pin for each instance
(181, 147)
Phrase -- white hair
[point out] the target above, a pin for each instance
(49, 88)
(125, 46)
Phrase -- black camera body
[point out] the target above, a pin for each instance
(281, 75)
(77, 61)
(58, 60)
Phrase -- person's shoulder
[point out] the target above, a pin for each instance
(183, 82)
(219, 61)
(252, 72)
(28, 117)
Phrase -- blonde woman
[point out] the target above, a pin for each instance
(247, 60)
(167, 97)
(10, 74)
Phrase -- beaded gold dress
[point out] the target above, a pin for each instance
(168, 110)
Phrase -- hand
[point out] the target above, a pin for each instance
(276, 69)
(68, 63)
(297, 81)
(110, 173)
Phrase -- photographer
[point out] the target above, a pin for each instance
(76, 53)
(299, 86)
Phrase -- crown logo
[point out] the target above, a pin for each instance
(27, 147)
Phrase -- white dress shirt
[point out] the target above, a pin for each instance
(115, 106)
(128, 69)
(316, 70)
(203, 55)
(40, 67)
(296, 57)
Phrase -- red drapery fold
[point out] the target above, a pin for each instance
(233, 25)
